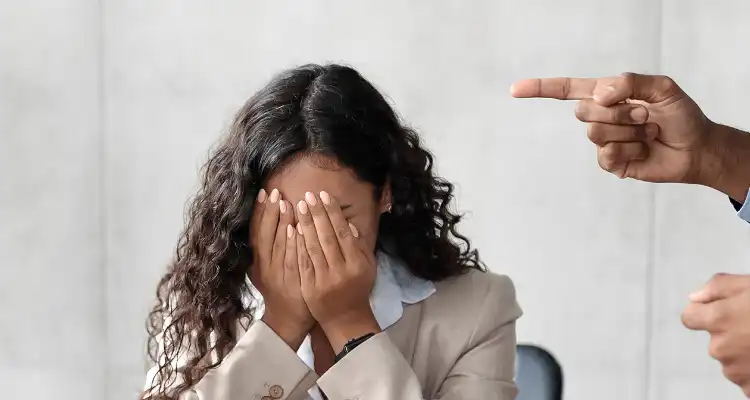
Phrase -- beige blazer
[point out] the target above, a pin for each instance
(460, 343)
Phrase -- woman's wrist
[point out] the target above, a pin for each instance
(291, 333)
(352, 325)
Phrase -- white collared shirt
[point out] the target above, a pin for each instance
(744, 211)
(394, 287)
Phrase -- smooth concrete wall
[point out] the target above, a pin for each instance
(129, 96)
(53, 330)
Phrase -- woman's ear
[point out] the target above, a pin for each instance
(386, 200)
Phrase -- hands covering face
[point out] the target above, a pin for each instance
(317, 272)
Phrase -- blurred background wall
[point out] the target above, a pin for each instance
(108, 108)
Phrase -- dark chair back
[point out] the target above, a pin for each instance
(538, 374)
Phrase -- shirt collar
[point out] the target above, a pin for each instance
(394, 286)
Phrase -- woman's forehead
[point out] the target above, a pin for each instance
(305, 175)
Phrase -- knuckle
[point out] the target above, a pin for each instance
(735, 374)
(279, 247)
(565, 89)
(605, 164)
(611, 151)
(583, 110)
(667, 83)
(595, 133)
(314, 250)
(608, 157)
(627, 78)
(717, 348)
(328, 240)
(343, 233)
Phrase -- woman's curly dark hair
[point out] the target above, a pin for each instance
(322, 110)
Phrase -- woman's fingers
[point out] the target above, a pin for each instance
(291, 261)
(286, 217)
(266, 232)
(304, 263)
(357, 247)
(345, 233)
(255, 219)
(312, 244)
(325, 232)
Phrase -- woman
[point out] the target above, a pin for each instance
(356, 287)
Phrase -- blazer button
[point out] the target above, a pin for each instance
(276, 392)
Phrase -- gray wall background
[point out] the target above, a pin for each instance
(107, 109)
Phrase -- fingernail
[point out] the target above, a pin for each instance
(302, 207)
(355, 232)
(289, 231)
(261, 196)
(274, 196)
(310, 199)
(299, 228)
(639, 114)
(325, 198)
(696, 296)
(282, 206)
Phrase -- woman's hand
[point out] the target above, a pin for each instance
(275, 270)
(337, 279)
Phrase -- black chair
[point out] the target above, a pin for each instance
(538, 374)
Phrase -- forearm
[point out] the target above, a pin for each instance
(725, 162)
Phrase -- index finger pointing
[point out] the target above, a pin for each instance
(605, 91)
(555, 88)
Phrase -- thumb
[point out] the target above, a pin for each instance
(720, 287)
(649, 88)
